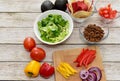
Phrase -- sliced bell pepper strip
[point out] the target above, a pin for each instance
(61, 72)
(84, 58)
(66, 68)
(92, 58)
(85, 55)
(81, 55)
(89, 60)
(70, 68)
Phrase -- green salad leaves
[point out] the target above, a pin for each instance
(53, 28)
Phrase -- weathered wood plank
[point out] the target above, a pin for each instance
(34, 5)
(27, 20)
(109, 52)
(17, 19)
(20, 5)
(17, 35)
(14, 71)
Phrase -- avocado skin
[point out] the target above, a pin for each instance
(61, 4)
(47, 5)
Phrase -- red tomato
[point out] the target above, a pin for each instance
(37, 54)
(105, 11)
(106, 15)
(109, 7)
(29, 43)
(101, 13)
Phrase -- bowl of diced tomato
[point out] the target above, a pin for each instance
(107, 11)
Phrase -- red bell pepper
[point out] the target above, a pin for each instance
(81, 55)
(85, 57)
(46, 70)
(91, 59)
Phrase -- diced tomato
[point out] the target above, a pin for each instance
(113, 12)
(106, 15)
(107, 12)
(112, 16)
(109, 7)
(101, 13)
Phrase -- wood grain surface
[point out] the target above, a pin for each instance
(69, 56)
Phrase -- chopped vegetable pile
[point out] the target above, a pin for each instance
(66, 69)
(53, 28)
(92, 74)
(85, 57)
(107, 12)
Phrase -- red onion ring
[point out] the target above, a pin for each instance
(97, 71)
(92, 77)
(84, 74)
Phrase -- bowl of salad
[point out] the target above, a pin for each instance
(53, 27)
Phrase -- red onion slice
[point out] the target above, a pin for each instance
(84, 80)
(92, 77)
(97, 71)
(84, 74)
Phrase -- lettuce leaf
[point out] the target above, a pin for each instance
(53, 28)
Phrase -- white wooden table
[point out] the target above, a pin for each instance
(16, 23)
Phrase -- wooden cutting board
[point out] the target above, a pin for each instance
(69, 56)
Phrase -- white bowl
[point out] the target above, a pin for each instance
(44, 15)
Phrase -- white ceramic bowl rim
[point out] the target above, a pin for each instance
(44, 15)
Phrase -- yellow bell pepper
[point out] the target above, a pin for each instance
(70, 68)
(66, 69)
(32, 68)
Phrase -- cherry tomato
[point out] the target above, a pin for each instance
(37, 54)
(29, 43)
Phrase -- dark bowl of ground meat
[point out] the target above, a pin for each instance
(93, 31)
